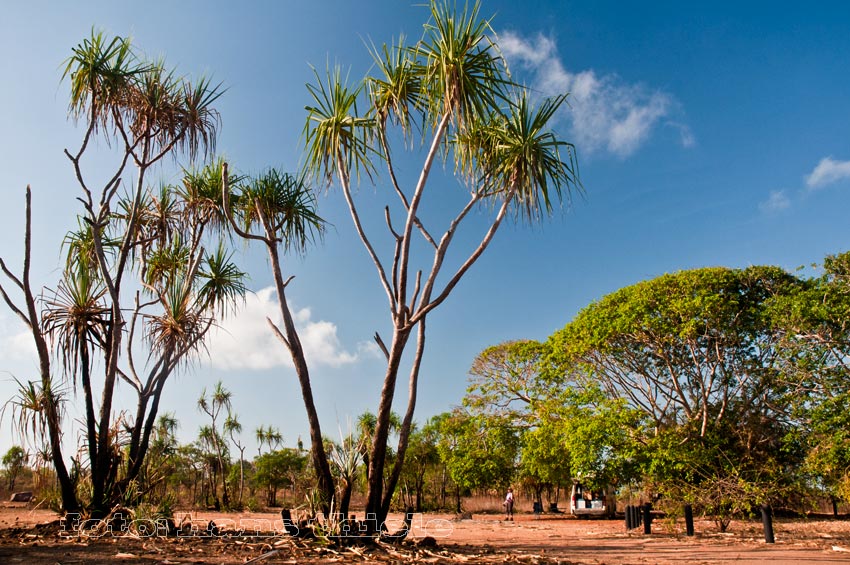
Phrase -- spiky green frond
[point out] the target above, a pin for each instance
(76, 317)
(463, 73)
(200, 191)
(396, 91)
(29, 409)
(516, 152)
(222, 282)
(232, 425)
(287, 203)
(199, 119)
(335, 133)
(166, 263)
(80, 250)
(101, 73)
(118, 92)
(181, 323)
(157, 219)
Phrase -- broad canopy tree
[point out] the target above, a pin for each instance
(568, 427)
(714, 376)
(815, 335)
(479, 451)
(691, 348)
(697, 354)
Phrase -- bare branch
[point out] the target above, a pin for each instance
(416, 289)
(414, 205)
(278, 333)
(130, 339)
(14, 308)
(402, 197)
(11, 275)
(442, 249)
(346, 190)
(390, 223)
(137, 386)
(426, 307)
(382, 345)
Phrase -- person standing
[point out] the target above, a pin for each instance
(509, 505)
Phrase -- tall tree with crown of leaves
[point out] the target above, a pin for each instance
(452, 86)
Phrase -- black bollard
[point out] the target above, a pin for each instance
(689, 519)
(638, 516)
(628, 519)
(647, 518)
(767, 522)
(633, 516)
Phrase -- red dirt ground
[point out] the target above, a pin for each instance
(26, 540)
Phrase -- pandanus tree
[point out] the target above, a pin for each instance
(454, 89)
(39, 405)
(345, 457)
(137, 266)
(267, 435)
(217, 406)
(279, 210)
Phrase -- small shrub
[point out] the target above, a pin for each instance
(253, 505)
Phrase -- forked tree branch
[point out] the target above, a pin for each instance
(6, 297)
(426, 304)
(414, 206)
(382, 136)
(442, 249)
(14, 308)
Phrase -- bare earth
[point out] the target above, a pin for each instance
(25, 538)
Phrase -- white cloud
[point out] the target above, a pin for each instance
(776, 202)
(16, 342)
(245, 341)
(605, 112)
(828, 171)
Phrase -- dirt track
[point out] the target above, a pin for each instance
(485, 539)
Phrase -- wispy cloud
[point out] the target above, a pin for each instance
(605, 112)
(245, 341)
(776, 202)
(827, 172)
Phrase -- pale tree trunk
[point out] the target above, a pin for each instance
(374, 502)
(407, 422)
(378, 500)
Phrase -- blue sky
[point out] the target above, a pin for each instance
(707, 134)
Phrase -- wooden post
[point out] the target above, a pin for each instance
(767, 522)
(647, 518)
